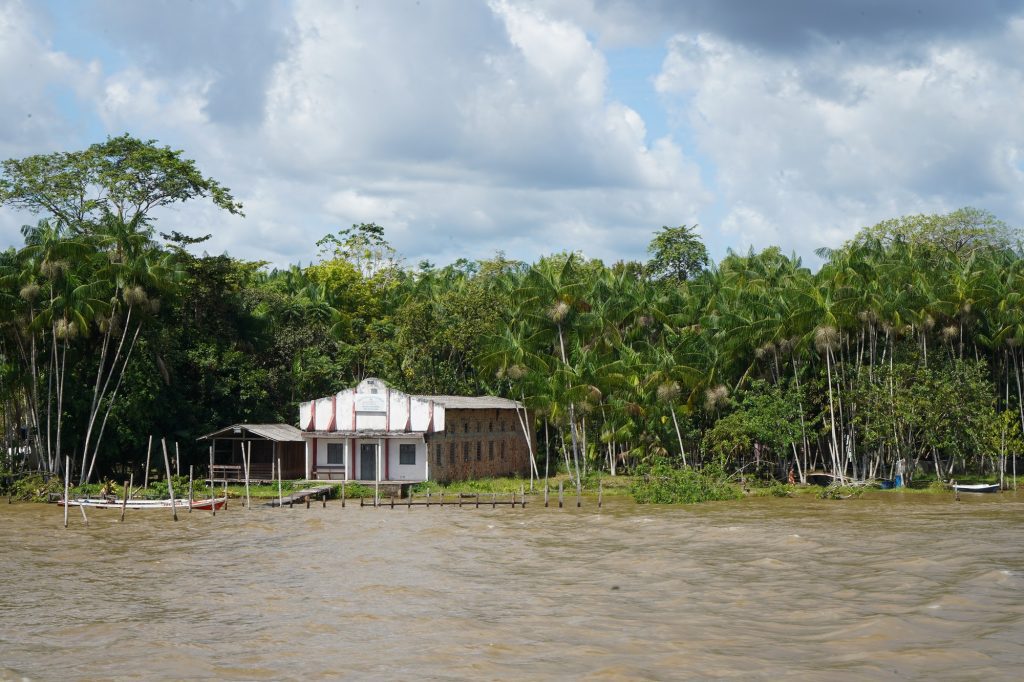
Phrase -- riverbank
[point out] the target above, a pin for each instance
(37, 488)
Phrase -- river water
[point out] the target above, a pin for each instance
(885, 587)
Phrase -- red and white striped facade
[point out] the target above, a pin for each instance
(375, 433)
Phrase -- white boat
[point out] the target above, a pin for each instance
(104, 503)
(976, 487)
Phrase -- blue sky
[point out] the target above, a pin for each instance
(535, 126)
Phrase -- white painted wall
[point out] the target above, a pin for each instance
(407, 472)
(321, 450)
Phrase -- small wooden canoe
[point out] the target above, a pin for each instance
(101, 503)
(976, 487)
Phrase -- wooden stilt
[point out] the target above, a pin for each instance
(324, 496)
(392, 500)
(545, 492)
(213, 495)
(177, 460)
(478, 500)
(124, 502)
(577, 493)
(513, 499)
(494, 500)
(600, 493)
(149, 448)
(170, 482)
(342, 493)
(191, 489)
(247, 460)
(522, 496)
(67, 487)
(560, 494)
(279, 502)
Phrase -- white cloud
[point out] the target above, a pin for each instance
(807, 151)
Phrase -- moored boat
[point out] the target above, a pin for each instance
(976, 487)
(103, 503)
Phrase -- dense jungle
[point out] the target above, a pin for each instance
(901, 345)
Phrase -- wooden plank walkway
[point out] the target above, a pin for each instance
(301, 495)
(474, 500)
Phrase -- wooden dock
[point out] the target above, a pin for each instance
(472, 500)
(301, 496)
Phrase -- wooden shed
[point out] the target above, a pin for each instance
(270, 443)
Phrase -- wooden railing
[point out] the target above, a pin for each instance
(226, 472)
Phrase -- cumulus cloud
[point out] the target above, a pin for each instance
(468, 127)
(483, 127)
(810, 149)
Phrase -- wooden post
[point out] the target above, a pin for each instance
(307, 500)
(177, 460)
(513, 499)
(577, 493)
(131, 484)
(225, 492)
(67, 486)
(324, 497)
(560, 494)
(392, 500)
(494, 500)
(545, 492)
(124, 502)
(149, 448)
(342, 495)
(478, 500)
(279, 501)
(213, 495)
(441, 501)
(190, 489)
(170, 482)
(600, 492)
(460, 500)
(428, 499)
(247, 460)
(408, 499)
(522, 496)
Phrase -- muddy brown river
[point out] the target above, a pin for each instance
(886, 587)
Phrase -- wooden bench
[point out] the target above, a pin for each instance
(330, 471)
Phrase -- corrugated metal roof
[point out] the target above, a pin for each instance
(460, 402)
(366, 433)
(282, 433)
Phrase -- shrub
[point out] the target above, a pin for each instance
(661, 483)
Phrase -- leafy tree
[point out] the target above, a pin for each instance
(677, 255)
